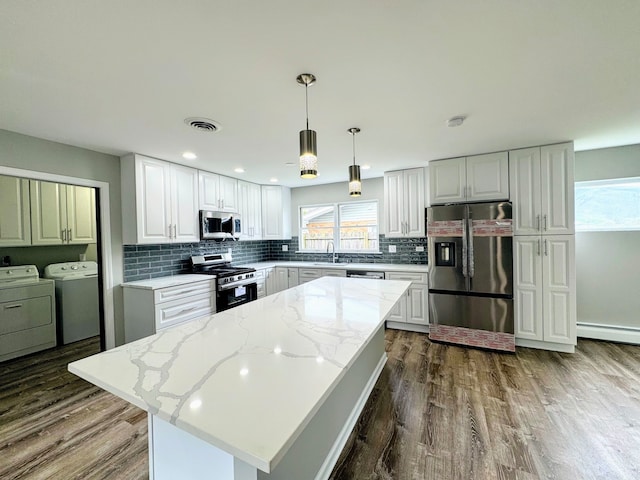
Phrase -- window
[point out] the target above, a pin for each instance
(608, 205)
(352, 227)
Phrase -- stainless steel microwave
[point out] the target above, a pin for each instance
(219, 225)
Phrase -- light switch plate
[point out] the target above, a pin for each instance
(392, 249)
(419, 248)
(285, 248)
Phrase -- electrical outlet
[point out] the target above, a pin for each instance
(285, 248)
(419, 248)
(392, 249)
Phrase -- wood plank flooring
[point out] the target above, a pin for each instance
(437, 412)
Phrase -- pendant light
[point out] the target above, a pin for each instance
(355, 184)
(308, 146)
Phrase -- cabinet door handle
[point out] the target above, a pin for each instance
(69, 235)
(538, 222)
(63, 233)
(546, 248)
(545, 222)
(15, 305)
(538, 242)
(170, 237)
(175, 230)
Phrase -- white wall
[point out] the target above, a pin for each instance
(38, 155)
(608, 263)
(372, 189)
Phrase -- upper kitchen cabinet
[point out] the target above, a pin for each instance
(217, 192)
(15, 215)
(276, 212)
(165, 196)
(479, 178)
(404, 203)
(542, 187)
(62, 214)
(250, 210)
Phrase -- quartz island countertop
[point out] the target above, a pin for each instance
(249, 379)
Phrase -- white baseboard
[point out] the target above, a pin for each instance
(411, 327)
(343, 436)
(554, 347)
(609, 332)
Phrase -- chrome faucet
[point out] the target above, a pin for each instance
(334, 257)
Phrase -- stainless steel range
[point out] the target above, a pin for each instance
(234, 285)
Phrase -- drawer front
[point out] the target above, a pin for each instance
(259, 274)
(416, 277)
(178, 311)
(308, 274)
(262, 290)
(25, 314)
(329, 272)
(182, 291)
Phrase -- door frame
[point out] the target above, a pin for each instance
(106, 266)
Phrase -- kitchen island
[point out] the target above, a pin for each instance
(268, 390)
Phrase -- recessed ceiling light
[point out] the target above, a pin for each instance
(189, 155)
(273, 179)
(238, 170)
(456, 121)
(365, 167)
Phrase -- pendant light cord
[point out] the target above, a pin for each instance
(354, 148)
(306, 102)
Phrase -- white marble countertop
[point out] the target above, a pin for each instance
(375, 267)
(171, 281)
(248, 380)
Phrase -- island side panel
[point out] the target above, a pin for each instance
(175, 453)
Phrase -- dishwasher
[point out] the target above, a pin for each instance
(365, 274)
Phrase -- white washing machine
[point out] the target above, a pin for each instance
(77, 303)
(27, 312)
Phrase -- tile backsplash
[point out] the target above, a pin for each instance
(142, 262)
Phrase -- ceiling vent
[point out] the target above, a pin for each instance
(203, 124)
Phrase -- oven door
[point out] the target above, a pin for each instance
(230, 296)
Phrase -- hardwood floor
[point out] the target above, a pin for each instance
(437, 412)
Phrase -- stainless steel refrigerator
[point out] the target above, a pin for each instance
(470, 248)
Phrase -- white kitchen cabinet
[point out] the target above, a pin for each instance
(149, 310)
(276, 212)
(62, 214)
(217, 192)
(542, 188)
(404, 203)
(413, 308)
(15, 213)
(307, 274)
(266, 280)
(250, 210)
(477, 178)
(165, 196)
(544, 289)
(286, 277)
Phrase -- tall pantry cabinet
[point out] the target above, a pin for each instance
(542, 192)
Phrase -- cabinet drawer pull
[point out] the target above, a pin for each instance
(15, 305)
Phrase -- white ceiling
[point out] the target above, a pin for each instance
(121, 76)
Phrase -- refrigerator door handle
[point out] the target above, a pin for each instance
(470, 248)
(464, 249)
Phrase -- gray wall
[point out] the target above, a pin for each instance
(38, 155)
(608, 263)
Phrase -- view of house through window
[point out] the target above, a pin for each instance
(608, 205)
(352, 227)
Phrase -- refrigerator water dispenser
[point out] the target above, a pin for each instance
(445, 254)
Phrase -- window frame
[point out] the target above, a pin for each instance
(603, 183)
(336, 226)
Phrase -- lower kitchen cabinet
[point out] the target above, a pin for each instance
(286, 277)
(411, 313)
(308, 274)
(545, 291)
(148, 310)
(266, 280)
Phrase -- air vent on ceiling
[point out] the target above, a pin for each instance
(203, 124)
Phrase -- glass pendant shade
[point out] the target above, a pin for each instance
(308, 154)
(355, 184)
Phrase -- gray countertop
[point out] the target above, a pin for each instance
(375, 267)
